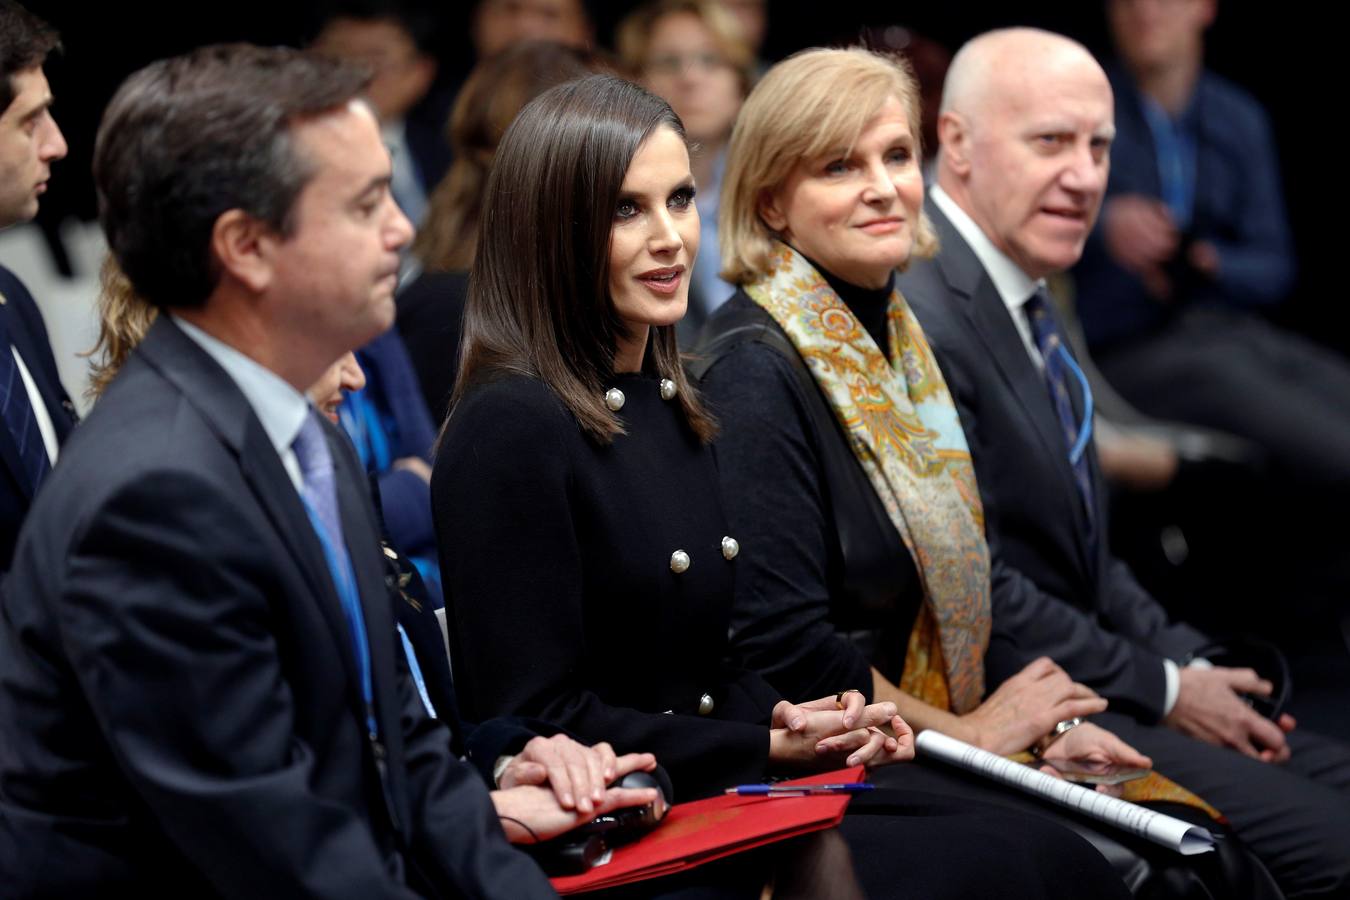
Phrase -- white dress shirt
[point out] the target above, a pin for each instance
(1014, 286)
(35, 400)
(279, 407)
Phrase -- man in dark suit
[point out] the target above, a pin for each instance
(35, 413)
(1026, 128)
(201, 687)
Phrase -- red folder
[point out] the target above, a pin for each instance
(699, 832)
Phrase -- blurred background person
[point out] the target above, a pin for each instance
(693, 54)
(431, 308)
(499, 25)
(753, 18)
(394, 40)
(1193, 245)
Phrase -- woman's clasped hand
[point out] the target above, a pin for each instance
(843, 731)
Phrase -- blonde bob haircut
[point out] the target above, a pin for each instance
(808, 105)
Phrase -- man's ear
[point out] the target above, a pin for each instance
(770, 209)
(241, 245)
(954, 139)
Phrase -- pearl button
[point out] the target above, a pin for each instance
(679, 561)
(667, 389)
(614, 399)
(730, 547)
(705, 705)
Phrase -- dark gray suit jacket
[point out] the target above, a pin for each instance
(1054, 594)
(179, 700)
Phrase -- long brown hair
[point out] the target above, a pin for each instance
(491, 97)
(539, 301)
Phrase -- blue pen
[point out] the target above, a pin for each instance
(798, 790)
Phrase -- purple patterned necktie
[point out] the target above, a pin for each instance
(319, 491)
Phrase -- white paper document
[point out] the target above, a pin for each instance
(1183, 837)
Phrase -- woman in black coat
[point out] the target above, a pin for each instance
(588, 566)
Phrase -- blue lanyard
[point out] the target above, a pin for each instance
(416, 671)
(344, 580)
(1085, 428)
(1174, 151)
(369, 430)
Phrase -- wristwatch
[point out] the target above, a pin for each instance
(1061, 728)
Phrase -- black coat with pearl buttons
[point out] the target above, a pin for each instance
(556, 556)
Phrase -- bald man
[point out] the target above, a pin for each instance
(1026, 126)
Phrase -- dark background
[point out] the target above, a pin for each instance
(1282, 53)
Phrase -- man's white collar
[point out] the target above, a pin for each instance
(1012, 284)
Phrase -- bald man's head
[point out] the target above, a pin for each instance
(1001, 63)
(1025, 126)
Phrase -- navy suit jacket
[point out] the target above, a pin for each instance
(1238, 208)
(179, 698)
(1054, 592)
(405, 499)
(28, 335)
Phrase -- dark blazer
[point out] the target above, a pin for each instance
(1238, 207)
(1070, 600)
(562, 603)
(178, 692)
(28, 335)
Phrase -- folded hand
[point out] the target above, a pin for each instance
(577, 774)
(819, 733)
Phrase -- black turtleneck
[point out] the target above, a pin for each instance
(868, 304)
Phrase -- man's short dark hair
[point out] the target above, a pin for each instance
(25, 42)
(189, 138)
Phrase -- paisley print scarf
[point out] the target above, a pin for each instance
(903, 427)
